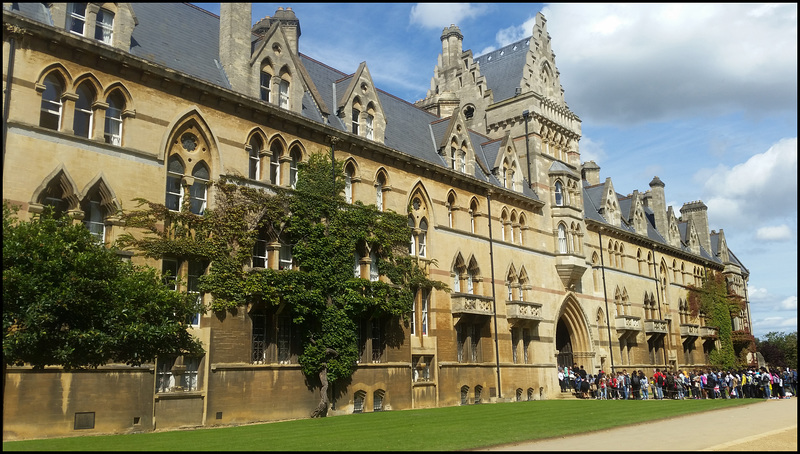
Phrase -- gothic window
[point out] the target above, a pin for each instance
(562, 239)
(426, 297)
(379, 184)
(283, 89)
(451, 208)
(275, 163)
(423, 232)
(174, 196)
(285, 257)
(82, 122)
(355, 119)
(512, 226)
(50, 116)
(358, 401)
(266, 81)
(296, 156)
(104, 26)
(76, 19)
(412, 248)
(255, 158)
(377, 400)
(521, 234)
(374, 275)
(348, 182)
(113, 126)
(198, 192)
(473, 211)
(260, 257)
(503, 223)
(369, 126)
(559, 194)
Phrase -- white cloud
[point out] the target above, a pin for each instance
(761, 189)
(441, 15)
(592, 151)
(774, 233)
(789, 304)
(652, 62)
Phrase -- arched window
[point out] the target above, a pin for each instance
(296, 156)
(113, 126)
(348, 183)
(355, 118)
(283, 88)
(426, 297)
(198, 193)
(374, 275)
(50, 116)
(377, 400)
(471, 281)
(104, 26)
(562, 239)
(175, 171)
(275, 163)
(451, 202)
(559, 194)
(82, 122)
(379, 183)
(255, 158)
(93, 218)
(512, 226)
(422, 239)
(503, 225)
(462, 161)
(266, 80)
(358, 401)
(412, 247)
(473, 213)
(260, 257)
(369, 126)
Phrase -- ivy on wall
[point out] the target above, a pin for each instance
(325, 299)
(718, 305)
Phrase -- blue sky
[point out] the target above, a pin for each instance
(704, 96)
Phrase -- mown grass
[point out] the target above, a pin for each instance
(439, 429)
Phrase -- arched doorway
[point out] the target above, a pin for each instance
(563, 345)
(573, 345)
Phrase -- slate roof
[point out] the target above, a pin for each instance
(503, 68)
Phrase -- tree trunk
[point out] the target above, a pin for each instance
(322, 408)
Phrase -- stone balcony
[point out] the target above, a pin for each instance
(570, 269)
(628, 323)
(654, 326)
(690, 330)
(523, 310)
(466, 303)
(709, 332)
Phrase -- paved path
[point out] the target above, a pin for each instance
(765, 426)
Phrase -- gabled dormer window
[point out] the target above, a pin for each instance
(76, 21)
(104, 27)
(355, 114)
(266, 80)
(283, 88)
(369, 126)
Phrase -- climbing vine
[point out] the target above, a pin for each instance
(714, 300)
(325, 299)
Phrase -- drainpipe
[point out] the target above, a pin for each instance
(494, 298)
(525, 114)
(658, 295)
(7, 103)
(333, 166)
(605, 297)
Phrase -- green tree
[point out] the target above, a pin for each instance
(69, 301)
(779, 349)
(324, 298)
(714, 300)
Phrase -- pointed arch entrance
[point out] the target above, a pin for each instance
(573, 345)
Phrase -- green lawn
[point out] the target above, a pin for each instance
(441, 429)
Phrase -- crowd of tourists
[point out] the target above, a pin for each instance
(752, 383)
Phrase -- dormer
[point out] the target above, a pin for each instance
(456, 147)
(673, 234)
(506, 166)
(564, 186)
(609, 204)
(360, 108)
(722, 246)
(108, 23)
(636, 216)
(277, 76)
(691, 238)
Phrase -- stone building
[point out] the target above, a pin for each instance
(547, 263)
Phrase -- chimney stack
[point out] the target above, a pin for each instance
(235, 22)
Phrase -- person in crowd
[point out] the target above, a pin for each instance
(658, 382)
(571, 377)
(644, 384)
(578, 383)
(636, 387)
(625, 382)
(561, 379)
(765, 383)
(722, 377)
(603, 386)
(777, 384)
(670, 385)
(613, 386)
